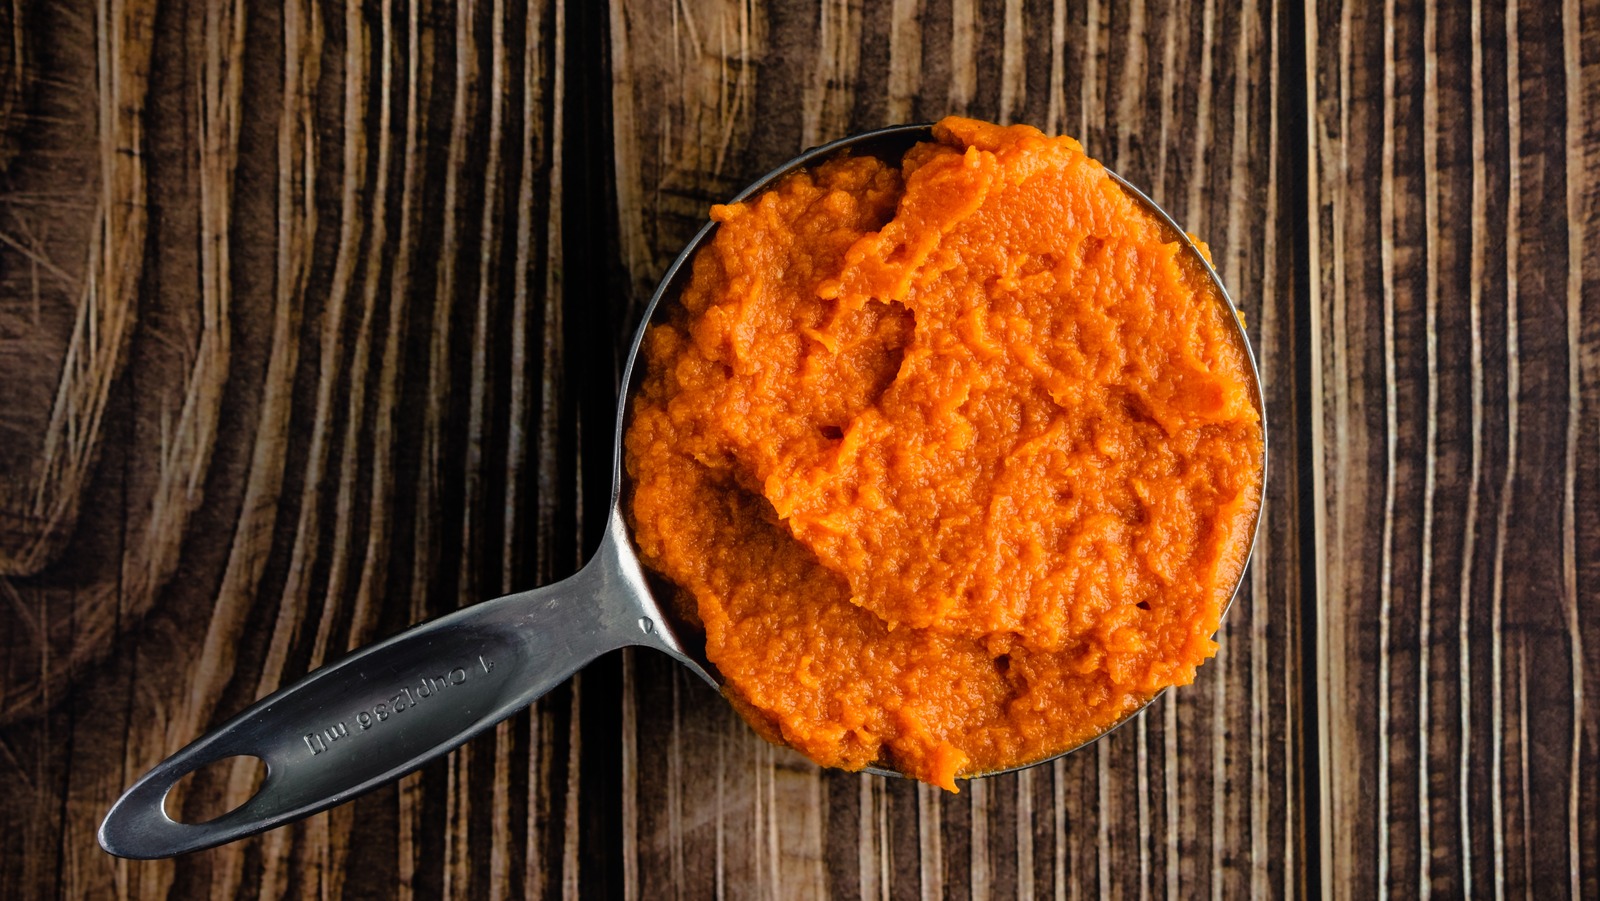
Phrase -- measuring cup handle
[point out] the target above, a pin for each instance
(387, 709)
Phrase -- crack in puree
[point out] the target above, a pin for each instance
(956, 463)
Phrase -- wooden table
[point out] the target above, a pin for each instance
(310, 323)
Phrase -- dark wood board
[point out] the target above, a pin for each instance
(311, 320)
(1454, 187)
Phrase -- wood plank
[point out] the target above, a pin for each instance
(1454, 186)
(77, 227)
(267, 503)
(1202, 795)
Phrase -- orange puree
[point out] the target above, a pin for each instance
(957, 462)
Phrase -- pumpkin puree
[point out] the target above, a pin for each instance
(957, 463)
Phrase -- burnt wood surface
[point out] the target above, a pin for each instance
(311, 323)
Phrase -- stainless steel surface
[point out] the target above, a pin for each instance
(391, 707)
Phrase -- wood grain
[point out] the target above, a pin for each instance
(59, 440)
(311, 318)
(1453, 194)
(1202, 796)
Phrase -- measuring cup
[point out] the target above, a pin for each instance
(388, 708)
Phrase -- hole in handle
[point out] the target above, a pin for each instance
(219, 787)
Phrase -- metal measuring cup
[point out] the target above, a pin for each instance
(391, 707)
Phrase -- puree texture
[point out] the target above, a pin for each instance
(956, 462)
